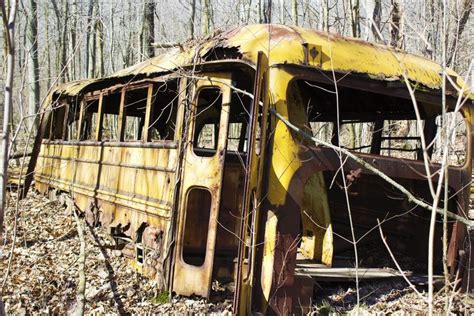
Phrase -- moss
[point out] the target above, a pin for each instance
(162, 298)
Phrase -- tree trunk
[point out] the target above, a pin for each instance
(72, 47)
(267, 11)
(62, 38)
(192, 19)
(205, 20)
(396, 25)
(355, 17)
(64, 70)
(466, 11)
(294, 12)
(33, 65)
(376, 20)
(89, 58)
(99, 40)
(148, 30)
(9, 24)
(325, 13)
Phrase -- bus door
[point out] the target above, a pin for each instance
(248, 265)
(205, 130)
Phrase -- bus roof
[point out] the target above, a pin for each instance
(289, 45)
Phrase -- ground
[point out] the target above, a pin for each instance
(43, 276)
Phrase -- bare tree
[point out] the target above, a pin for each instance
(33, 65)
(147, 35)
(9, 24)
(375, 25)
(465, 12)
(396, 24)
(192, 18)
(205, 16)
(294, 12)
(61, 20)
(90, 54)
(355, 17)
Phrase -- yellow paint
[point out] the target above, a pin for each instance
(151, 192)
(317, 230)
(284, 45)
(268, 257)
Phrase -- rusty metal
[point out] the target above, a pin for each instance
(140, 189)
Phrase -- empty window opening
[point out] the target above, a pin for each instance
(164, 108)
(134, 111)
(110, 117)
(457, 140)
(196, 226)
(56, 121)
(374, 123)
(89, 124)
(238, 122)
(207, 119)
(234, 136)
(401, 139)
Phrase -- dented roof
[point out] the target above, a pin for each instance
(289, 45)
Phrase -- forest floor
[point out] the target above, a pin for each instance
(43, 276)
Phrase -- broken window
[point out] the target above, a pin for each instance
(196, 226)
(134, 111)
(56, 121)
(207, 118)
(374, 123)
(238, 122)
(401, 139)
(110, 117)
(164, 108)
(356, 135)
(89, 123)
(457, 142)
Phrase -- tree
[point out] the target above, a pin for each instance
(294, 12)
(192, 19)
(9, 24)
(466, 11)
(33, 65)
(148, 29)
(396, 25)
(90, 53)
(205, 17)
(355, 17)
(62, 47)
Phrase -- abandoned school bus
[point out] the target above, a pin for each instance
(191, 162)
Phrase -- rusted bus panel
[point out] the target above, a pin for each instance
(202, 173)
(142, 176)
(243, 211)
(304, 185)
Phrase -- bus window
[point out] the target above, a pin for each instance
(134, 111)
(457, 143)
(207, 118)
(110, 113)
(401, 139)
(89, 124)
(164, 108)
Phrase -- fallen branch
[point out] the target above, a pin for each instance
(81, 287)
(365, 164)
